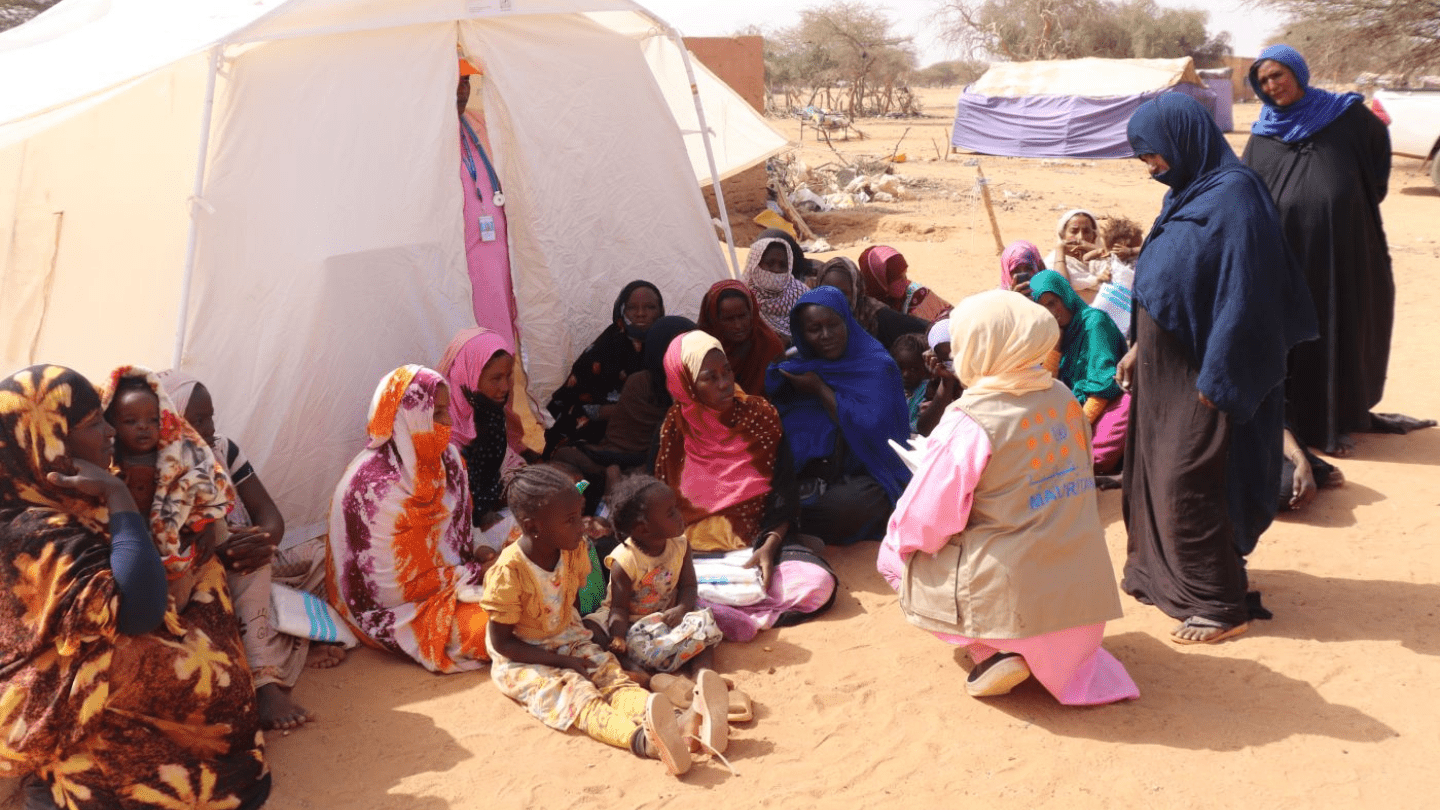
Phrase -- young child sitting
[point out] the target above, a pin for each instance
(543, 657)
(649, 610)
(908, 351)
(253, 562)
(1122, 240)
(170, 471)
(944, 386)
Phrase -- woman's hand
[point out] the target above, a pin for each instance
(764, 558)
(1125, 369)
(1204, 400)
(1302, 485)
(808, 383)
(94, 481)
(246, 550)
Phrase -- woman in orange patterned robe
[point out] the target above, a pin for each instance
(104, 709)
(403, 568)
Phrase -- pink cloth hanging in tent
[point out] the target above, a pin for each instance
(489, 262)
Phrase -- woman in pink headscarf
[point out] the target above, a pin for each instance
(479, 366)
(1018, 264)
(722, 451)
(886, 280)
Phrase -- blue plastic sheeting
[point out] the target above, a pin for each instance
(1054, 126)
(1224, 101)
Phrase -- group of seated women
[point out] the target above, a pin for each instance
(691, 479)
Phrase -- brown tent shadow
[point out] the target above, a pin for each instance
(1194, 700)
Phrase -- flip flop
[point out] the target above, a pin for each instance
(711, 705)
(1202, 623)
(679, 690)
(740, 708)
(663, 734)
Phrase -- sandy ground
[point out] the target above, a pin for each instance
(1323, 706)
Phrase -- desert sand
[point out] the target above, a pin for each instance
(1327, 705)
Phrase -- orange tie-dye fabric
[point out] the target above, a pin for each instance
(401, 557)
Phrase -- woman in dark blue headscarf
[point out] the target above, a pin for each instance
(840, 400)
(1326, 160)
(1219, 303)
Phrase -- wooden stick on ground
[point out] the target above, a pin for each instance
(989, 209)
(801, 229)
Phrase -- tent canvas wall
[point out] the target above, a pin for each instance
(1066, 108)
(327, 243)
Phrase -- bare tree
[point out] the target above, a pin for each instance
(843, 56)
(1343, 36)
(1024, 30)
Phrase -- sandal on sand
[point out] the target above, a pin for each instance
(711, 705)
(679, 689)
(1211, 631)
(997, 675)
(740, 708)
(662, 732)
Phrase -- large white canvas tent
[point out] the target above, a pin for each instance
(266, 190)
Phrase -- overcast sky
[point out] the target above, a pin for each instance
(1248, 27)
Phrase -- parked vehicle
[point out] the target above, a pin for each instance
(1414, 119)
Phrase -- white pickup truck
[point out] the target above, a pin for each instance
(1414, 119)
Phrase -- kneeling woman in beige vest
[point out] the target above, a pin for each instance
(996, 544)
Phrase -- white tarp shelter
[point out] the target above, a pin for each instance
(301, 235)
(1090, 77)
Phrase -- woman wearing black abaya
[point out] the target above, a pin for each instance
(1326, 160)
(1219, 303)
(582, 406)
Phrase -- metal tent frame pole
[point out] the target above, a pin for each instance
(182, 321)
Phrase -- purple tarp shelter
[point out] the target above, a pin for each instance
(1066, 108)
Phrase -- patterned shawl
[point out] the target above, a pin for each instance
(192, 488)
(775, 292)
(400, 533)
(718, 463)
(99, 714)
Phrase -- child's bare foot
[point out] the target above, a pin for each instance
(277, 711)
(324, 656)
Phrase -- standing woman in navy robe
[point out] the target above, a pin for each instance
(1219, 302)
(1326, 160)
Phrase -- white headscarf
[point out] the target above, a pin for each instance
(998, 341)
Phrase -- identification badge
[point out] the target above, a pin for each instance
(487, 229)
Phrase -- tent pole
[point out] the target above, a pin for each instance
(182, 321)
(704, 135)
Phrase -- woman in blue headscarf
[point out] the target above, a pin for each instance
(1326, 160)
(1219, 302)
(841, 400)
